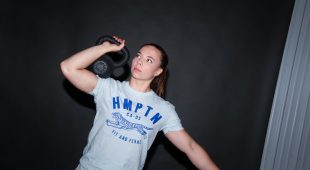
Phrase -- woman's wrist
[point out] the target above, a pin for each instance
(102, 49)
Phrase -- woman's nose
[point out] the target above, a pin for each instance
(139, 61)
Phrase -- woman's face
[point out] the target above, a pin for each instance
(146, 64)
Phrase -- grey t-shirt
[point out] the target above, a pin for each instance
(125, 126)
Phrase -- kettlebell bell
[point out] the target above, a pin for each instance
(105, 65)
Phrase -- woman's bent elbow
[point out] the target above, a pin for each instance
(65, 69)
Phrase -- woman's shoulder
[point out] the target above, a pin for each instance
(163, 102)
(110, 80)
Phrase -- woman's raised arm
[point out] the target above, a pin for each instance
(74, 67)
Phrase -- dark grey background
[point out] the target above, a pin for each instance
(224, 62)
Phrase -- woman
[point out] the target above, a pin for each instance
(129, 114)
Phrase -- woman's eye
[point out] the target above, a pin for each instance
(149, 60)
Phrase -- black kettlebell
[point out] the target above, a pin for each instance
(105, 65)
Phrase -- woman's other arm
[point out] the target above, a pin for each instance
(198, 156)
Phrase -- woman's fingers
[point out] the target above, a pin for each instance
(120, 40)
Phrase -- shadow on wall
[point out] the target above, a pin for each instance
(178, 155)
(80, 97)
(87, 100)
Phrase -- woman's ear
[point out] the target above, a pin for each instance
(158, 72)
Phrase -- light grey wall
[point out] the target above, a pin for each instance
(287, 144)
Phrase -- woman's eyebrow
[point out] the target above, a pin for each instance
(146, 56)
(150, 57)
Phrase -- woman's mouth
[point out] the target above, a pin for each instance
(136, 69)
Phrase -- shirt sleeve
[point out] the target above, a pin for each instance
(173, 123)
(101, 87)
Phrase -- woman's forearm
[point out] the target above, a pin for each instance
(83, 58)
(200, 158)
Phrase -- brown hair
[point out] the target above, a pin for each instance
(158, 84)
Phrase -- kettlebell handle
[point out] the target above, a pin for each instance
(124, 51)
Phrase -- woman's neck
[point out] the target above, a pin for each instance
(140, 85)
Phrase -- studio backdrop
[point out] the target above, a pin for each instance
(224, 59)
